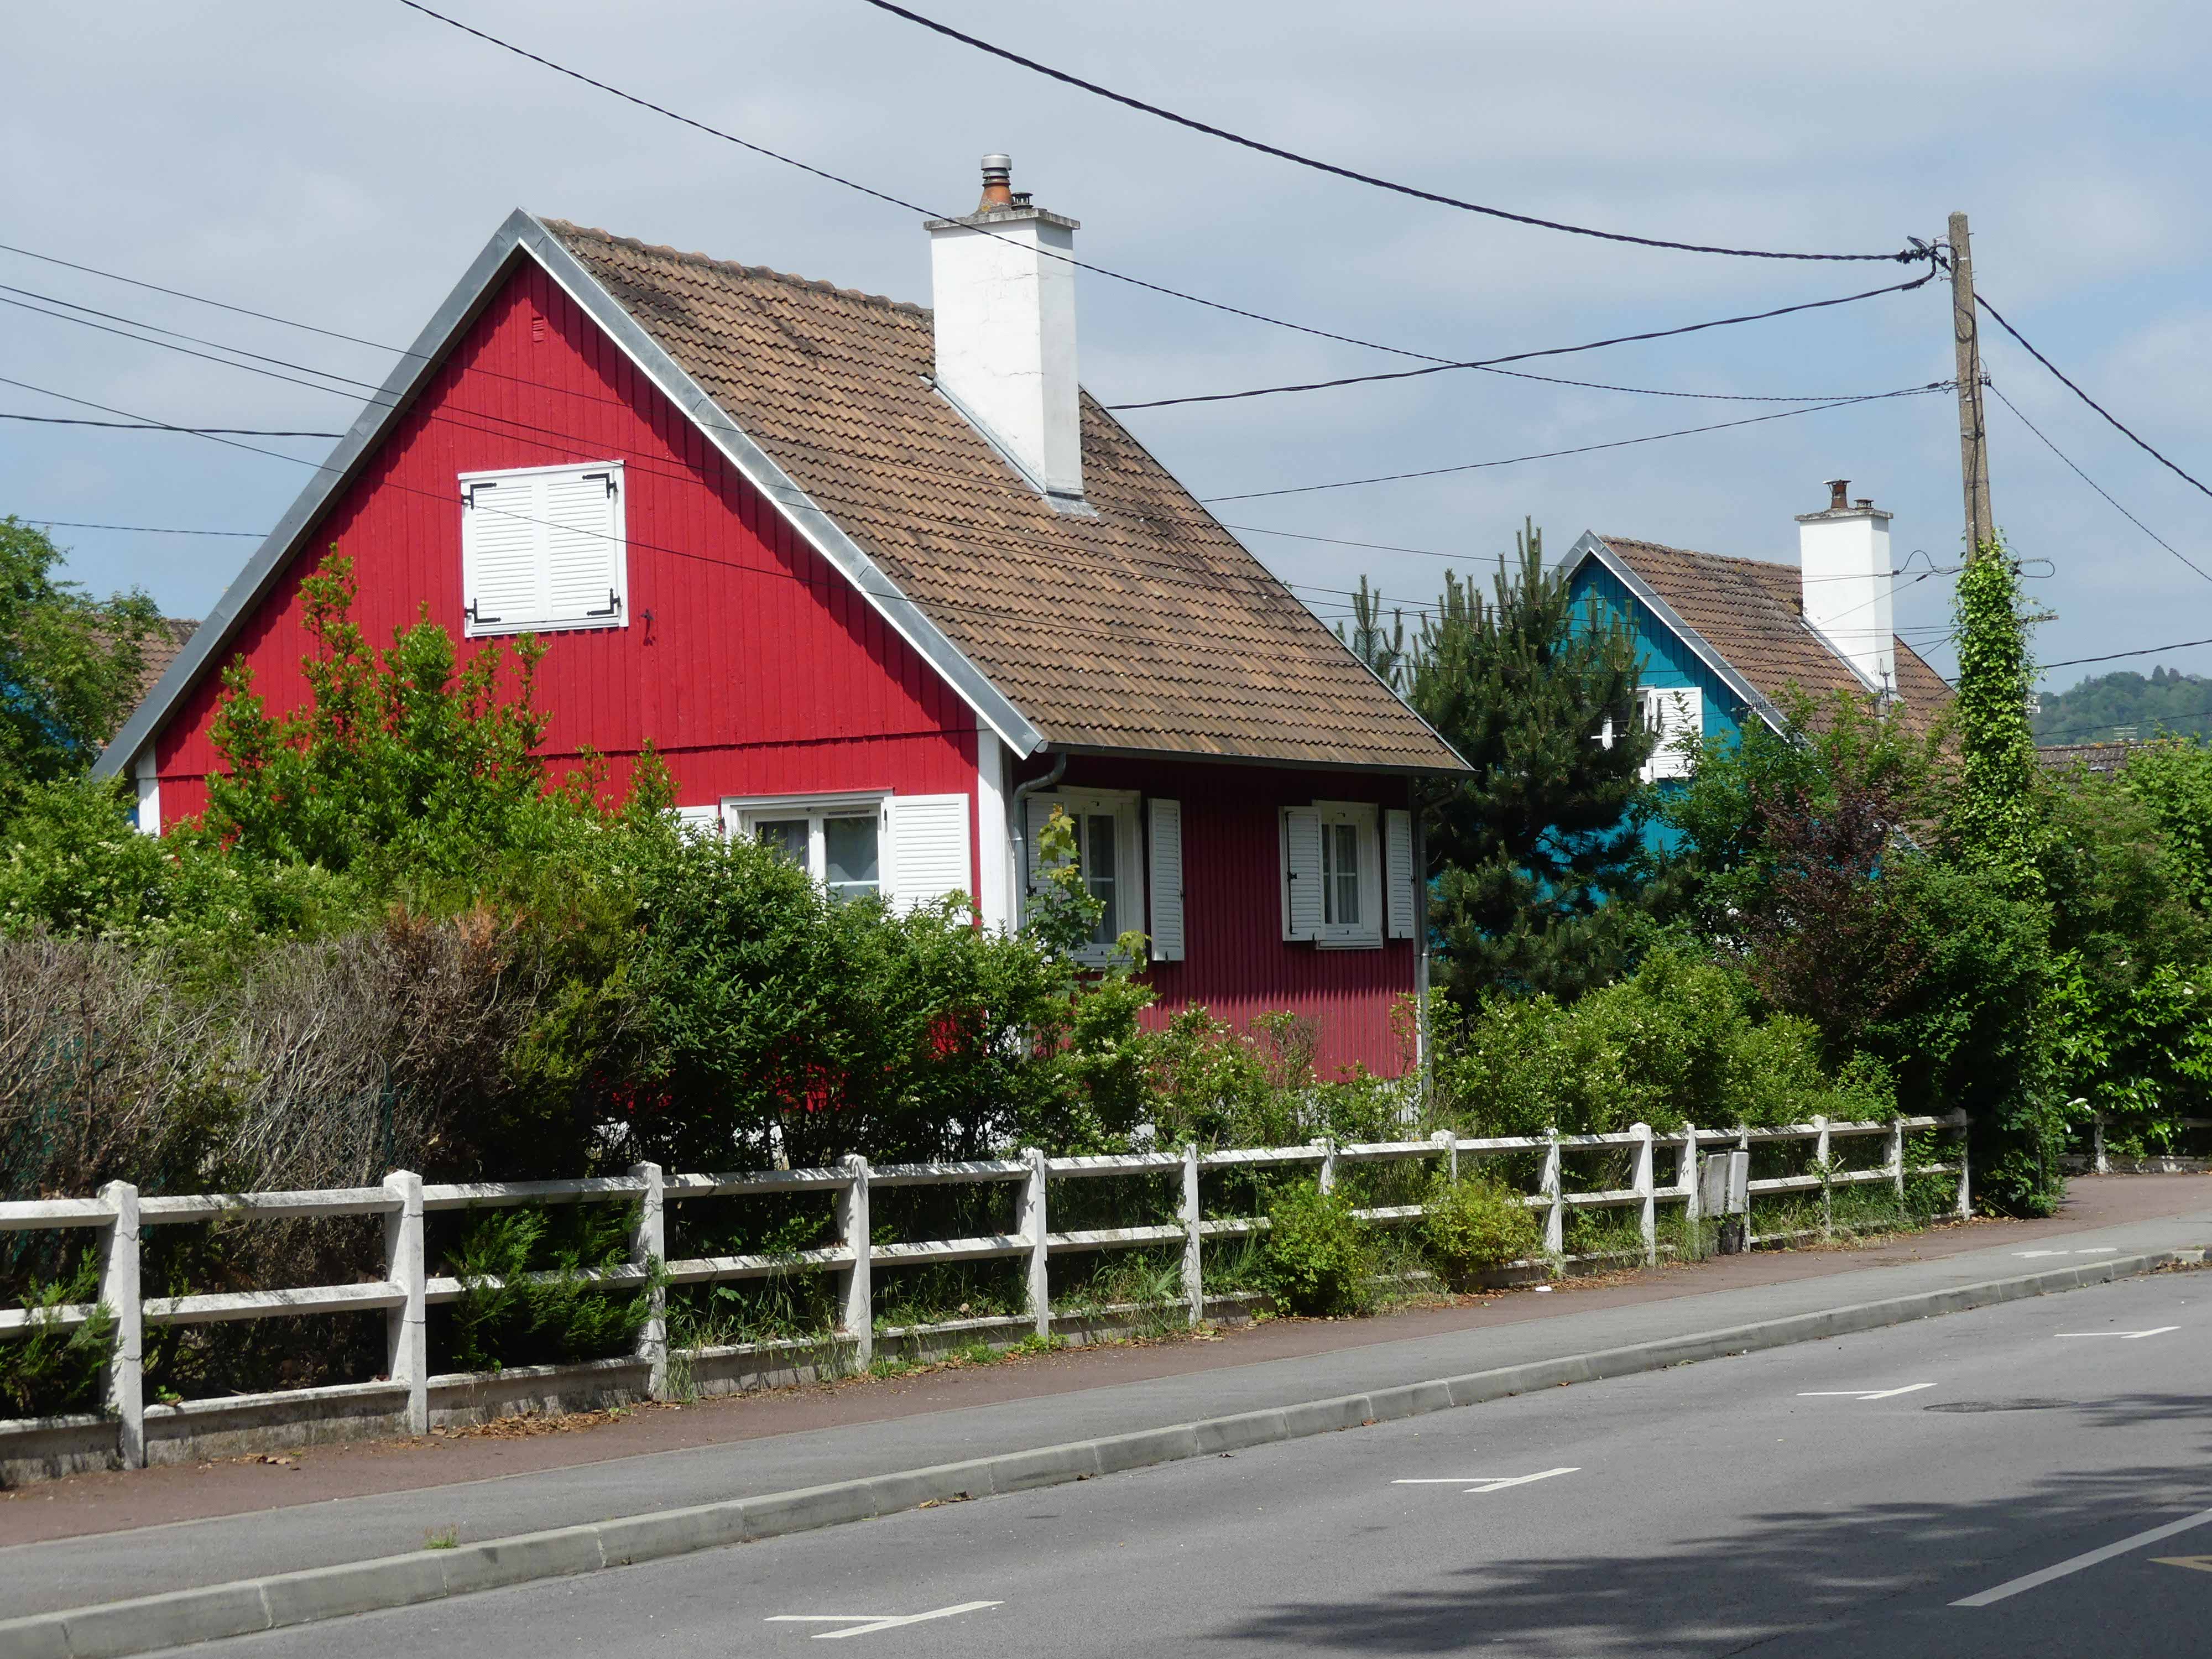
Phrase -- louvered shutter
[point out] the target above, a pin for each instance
(1302, 895)
(499, 554)
(699, 823)
(929, 848)
(583, 546)
(1401, 881)
(1035, 809)
(1671, 711)
(1165, 842)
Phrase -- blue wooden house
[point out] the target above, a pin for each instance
(1726, 641)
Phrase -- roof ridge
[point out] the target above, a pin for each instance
(1696, 553)
(569, 227)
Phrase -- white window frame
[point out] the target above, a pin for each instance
(1130, 887)
(1364, 818)
(618, 587)
(743, 814)
(1653, 707)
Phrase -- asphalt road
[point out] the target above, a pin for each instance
(1834, 1498)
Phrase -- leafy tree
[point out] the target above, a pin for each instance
(1540, 849)
(69, 665)
(402, 761)
(2124, 704)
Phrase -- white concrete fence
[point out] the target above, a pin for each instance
(407, 1290)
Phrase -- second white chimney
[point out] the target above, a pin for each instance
(1846, 574)
(1005, 330)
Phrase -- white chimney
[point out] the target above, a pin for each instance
(1005, 330)
(1845, 553)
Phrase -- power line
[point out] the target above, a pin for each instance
(158, 425)
(1582, 449)
(1984, 304)
(2094, 484)
(883, 195)
(2115, 656)
(1523, 357)
(1906, 256)
(146, 529)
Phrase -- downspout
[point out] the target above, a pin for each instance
(1016, 819)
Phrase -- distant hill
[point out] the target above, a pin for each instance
(2125, 705)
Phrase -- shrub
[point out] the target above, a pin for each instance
(49, 1367)
(508, 1314)
(1471, 1225)
(1315, 1259)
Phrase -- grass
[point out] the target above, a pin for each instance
(446, 1538)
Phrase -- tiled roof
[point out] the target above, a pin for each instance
(2095, 757)
(1147, 627)
(156, 651)
(1750, 611)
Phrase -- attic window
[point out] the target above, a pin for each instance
(1671, 714)
(543, 549)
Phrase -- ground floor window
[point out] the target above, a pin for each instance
(838, 842)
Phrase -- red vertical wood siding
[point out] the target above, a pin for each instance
(1237, 963)
(760, 670)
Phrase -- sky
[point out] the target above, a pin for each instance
(341, 164)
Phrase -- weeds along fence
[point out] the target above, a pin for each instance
(852, 1271)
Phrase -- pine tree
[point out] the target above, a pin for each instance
(1538, 853)
(1380, 649)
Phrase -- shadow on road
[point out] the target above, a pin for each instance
(1801, 1575)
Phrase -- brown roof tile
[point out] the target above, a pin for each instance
(1147, 627)
(1750, 611)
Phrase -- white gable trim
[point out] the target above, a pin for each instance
(523, 237)
(1591, 546)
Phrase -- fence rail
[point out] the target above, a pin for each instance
(405, 1290)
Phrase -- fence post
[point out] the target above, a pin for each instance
(2098, 1165)
(648, 1249)
(1897, 1158)
(1030, 1223)
(858, 1286)
(1555, 1211)
(1965, 1190)
(1687, 1171)
(406, 1328)
(1449, 1140)
(119, 1291)
(1648, 1211)
(1193, 1254)
(1326, 1179)
(1821, 1156)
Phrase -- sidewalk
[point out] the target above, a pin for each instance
(177, 1529)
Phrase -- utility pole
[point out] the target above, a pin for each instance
(1973, 427)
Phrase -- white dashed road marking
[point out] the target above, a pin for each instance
(1485, 1482)
(1863, 1394)
(867, 1623)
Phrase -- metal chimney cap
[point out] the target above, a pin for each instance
(998, 163)
(1839, 491)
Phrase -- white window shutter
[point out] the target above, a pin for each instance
(1036, 810)
(1165, 839)
(929, 848)
(1670, 711)
(1302, 895)
(499, 554)
(583, 544)
(1401, 881)
(699, 823)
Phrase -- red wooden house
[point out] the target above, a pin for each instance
(882, 585)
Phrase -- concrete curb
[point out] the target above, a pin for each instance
(110, 1629)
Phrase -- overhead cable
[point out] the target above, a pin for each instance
(884, 196)
(1580, 449)
(1999, 316)
(2092, 484)
(1905, 256)
(142, 529)
(2115, 656)
(160, 426)
(1524, 356)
